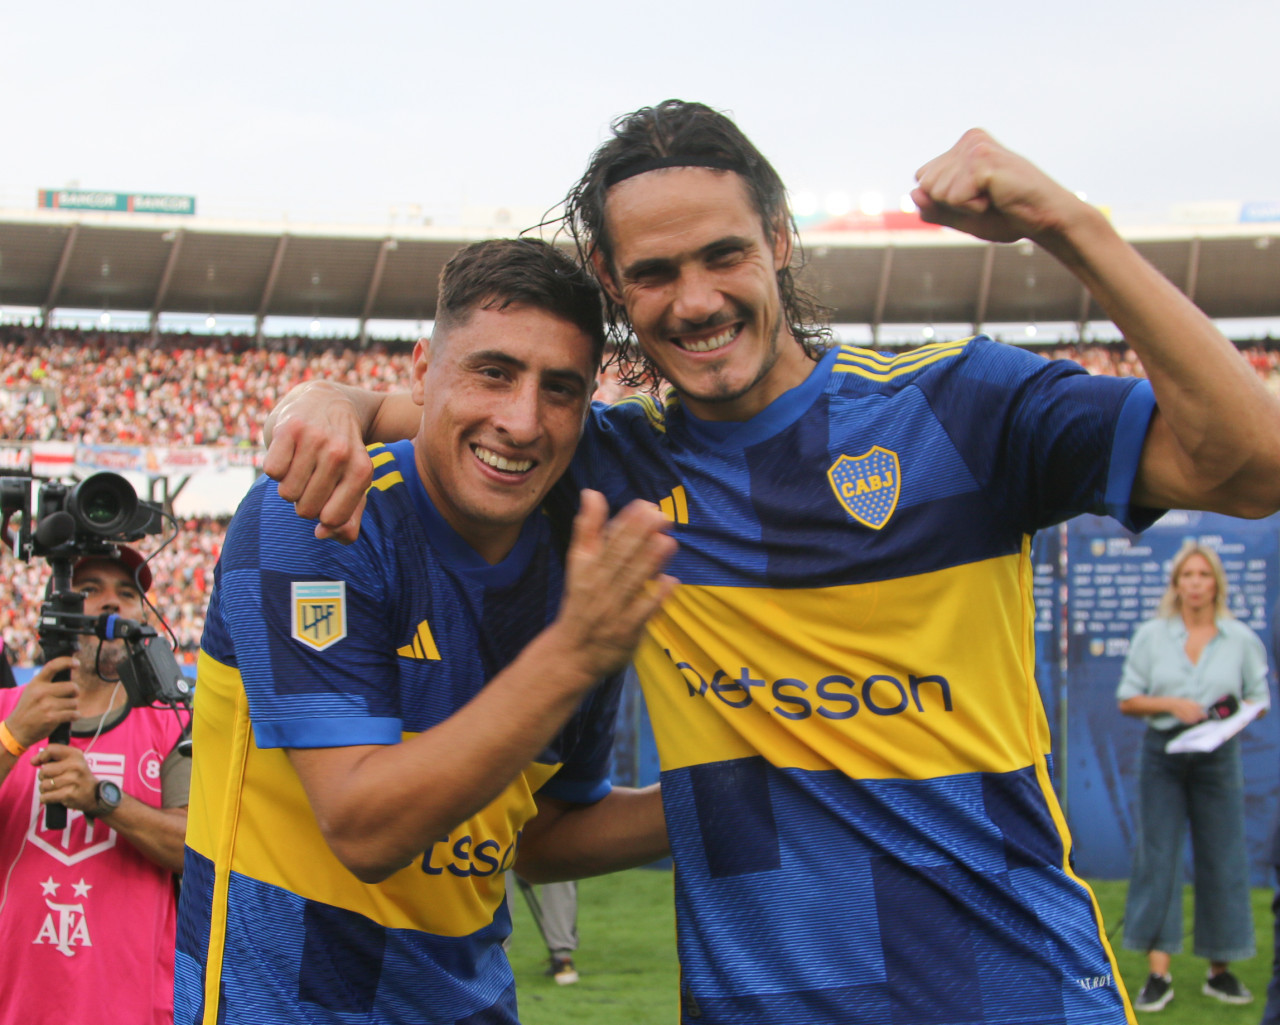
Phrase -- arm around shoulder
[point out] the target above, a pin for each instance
(316, 440)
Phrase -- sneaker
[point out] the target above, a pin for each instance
(1157, 991)
(561, 969)
(1226, 987)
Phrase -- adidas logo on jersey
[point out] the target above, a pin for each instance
(675, 506)
(423, 645)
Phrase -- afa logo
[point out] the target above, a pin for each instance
(319, 612)
(82, 837)
(868, 485)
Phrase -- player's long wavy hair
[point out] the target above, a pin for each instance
(675, 128)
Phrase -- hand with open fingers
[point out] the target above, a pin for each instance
(981, 188)
(318, 456)
(45, 703)
(65, 777)
(614, 580)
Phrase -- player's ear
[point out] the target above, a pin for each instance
(781, 245)
(418, 373)
(604, 275)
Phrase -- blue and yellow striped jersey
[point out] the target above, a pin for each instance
(318, 644)
(855, 760)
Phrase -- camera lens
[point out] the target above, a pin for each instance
(102, 508)
(103, 503)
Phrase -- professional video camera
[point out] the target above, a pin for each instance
(90, 520)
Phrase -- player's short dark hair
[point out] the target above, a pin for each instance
(499, 273)
(661, 136)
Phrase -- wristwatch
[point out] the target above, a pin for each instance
(108, 796)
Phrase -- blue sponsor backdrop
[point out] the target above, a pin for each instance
(1046, 560)
(1114, 581)
(1094, 583)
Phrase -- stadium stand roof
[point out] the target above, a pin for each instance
(60, 259)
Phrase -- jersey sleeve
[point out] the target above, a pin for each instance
(1050, 436)
(306, 622)
(586, 746)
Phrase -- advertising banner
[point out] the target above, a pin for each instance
(115, 202)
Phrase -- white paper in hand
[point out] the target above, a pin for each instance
(1213, 733)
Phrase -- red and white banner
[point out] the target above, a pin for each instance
(67, 459)
(52, 458)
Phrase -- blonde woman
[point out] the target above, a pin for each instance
(1181, 662)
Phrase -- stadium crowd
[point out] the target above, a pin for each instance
(183, 573)
(111, 387)
(114, 387)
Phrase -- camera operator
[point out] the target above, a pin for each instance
(89, 910)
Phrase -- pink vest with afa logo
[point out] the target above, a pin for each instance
(86, 922)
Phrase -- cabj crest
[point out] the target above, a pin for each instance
(867, 485)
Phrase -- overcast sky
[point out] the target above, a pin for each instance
(349, 109)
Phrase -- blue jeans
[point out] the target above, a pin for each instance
(1207, 791)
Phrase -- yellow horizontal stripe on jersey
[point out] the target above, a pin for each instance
(386, 480)
(873, 366)
(870, 357)
(855, 678)
(887, 375)
(382, 458)
(655, 416)
(270, 834)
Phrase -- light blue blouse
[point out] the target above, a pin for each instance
(1234, 662)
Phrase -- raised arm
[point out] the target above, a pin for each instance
(1215, 441)
(316, 441)
(381, 806)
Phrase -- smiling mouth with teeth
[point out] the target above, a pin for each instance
(716, 341)
(491, 458)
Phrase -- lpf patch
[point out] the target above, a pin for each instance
(319, 612)
(867, 485)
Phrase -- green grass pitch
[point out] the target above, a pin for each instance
(627, 959)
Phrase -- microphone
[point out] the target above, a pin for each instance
(55, 529)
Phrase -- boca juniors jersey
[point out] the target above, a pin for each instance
(855, 760)
(318, 644)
